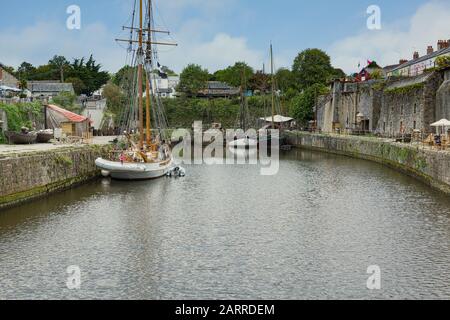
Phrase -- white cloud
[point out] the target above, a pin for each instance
(39, 42)
(387, 46)
(223, 50)
(200, 39)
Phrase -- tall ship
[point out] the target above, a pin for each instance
(142, 151)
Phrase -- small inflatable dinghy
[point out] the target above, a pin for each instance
(176, 172)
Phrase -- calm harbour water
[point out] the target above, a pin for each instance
(225, 232)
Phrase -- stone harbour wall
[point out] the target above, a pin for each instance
(430, 166)
(25, 176)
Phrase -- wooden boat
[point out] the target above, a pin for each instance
(21, 138)
(150, 157)
(134, 170)
(44, 136)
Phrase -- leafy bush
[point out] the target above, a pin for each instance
(443, 62)
(406, 89)
(302, 106)
(377, 74)
(22, 115)
(66, 100)
(182, 112)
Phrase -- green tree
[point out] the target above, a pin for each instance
(115, 99)
(312, 66)
(285, 80)
(78, 84)
(302, 105)
(259, 81)
(89, 73)
(44, 72)
(168, 71)
(125, 78)
(338, 73)
(23, 84)
(234, 75)
(193, 79)
(25, 71)
(59, 64)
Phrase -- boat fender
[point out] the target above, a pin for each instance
(105, 173)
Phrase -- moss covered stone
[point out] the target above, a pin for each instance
(33, 174)
(430, 166)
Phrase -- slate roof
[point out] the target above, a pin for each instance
(217, 85)
(36, 87)
(424, 58)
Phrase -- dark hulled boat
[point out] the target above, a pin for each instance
(44, 136)
(21, 138)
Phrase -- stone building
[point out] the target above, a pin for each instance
(409, 104)
(7, 79)
(350, 107)
(48, 89)
(386, 107)
(443, 97)
(217, 89)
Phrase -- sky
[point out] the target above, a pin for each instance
(217, 33)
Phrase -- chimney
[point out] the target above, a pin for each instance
(443, 44)
(430, 50)
(416, 55)
(403, 61)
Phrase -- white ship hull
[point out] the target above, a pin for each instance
(133, 171)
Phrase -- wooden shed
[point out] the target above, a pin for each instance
(72, 124)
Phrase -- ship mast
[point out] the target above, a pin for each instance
(273, 86)
(140, 67)
(149, 57)
(141, 58)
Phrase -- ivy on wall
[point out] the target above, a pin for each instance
(405, 89)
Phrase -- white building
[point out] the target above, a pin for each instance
(166, 88)
(418, 64)
(95, 110)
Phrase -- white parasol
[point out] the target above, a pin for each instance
(443, 123)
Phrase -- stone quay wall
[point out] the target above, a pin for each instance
(430, 166)
(26, 176)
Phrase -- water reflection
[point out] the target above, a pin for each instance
(227, 232)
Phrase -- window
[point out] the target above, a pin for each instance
(401, 110)
(415, 108)
(415, 125)
(384, 126)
